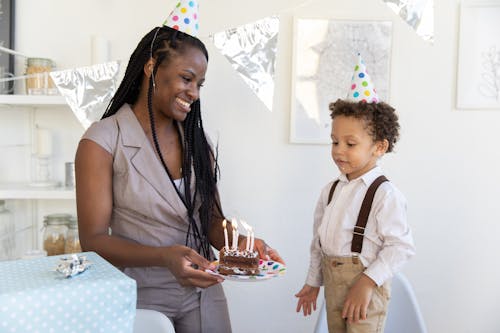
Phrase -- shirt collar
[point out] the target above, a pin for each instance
(367, 178)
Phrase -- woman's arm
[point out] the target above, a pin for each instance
(216, 231)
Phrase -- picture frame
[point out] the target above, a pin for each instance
(325, 52)
(6, 40)
(478, 72)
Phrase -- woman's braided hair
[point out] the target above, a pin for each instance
(162, 43)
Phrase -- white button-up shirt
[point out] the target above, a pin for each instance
(387, 242)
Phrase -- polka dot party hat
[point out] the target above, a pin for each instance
(184, 17)
(362, 88)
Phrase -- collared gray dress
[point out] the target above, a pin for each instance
(148, 210)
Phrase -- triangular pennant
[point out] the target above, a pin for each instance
(251, 50)
(87, 90)
(419, 14)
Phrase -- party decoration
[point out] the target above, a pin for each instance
(251, 50)
(419, 14)
(184, 17)
(74, 265)
(87, 90)
(362, 88)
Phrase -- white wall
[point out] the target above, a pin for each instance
(446, 163)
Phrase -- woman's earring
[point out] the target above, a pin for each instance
(153, 81)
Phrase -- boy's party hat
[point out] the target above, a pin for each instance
(362, 88)
(184, 17)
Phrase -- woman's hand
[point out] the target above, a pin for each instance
(266, 252)
(188, 267)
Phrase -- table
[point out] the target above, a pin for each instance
(34, 297)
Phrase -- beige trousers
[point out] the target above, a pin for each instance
(339, 274)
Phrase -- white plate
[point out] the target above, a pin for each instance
(268, 270)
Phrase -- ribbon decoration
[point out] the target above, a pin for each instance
(71, 266)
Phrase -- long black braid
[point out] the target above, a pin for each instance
(161, 43)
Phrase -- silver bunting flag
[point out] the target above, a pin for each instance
(251, 50)
(419, 14)
(88, 90)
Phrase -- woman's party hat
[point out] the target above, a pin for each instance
(184, 17)
(362, 88)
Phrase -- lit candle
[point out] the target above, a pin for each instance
(226, 242)
(247, 228)
(252, 239)
(44, 142)
(234, 224)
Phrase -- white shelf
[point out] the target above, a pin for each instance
(32, 100)
(27, 191)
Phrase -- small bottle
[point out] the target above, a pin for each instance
(54, 235)
(72, 244)
(7, 233)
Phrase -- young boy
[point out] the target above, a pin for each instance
(356, 247)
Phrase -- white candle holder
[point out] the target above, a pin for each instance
(42, 176)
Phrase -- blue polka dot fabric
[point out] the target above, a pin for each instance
(36, 298)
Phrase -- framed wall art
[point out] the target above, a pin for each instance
(324, 56)
(478, 77)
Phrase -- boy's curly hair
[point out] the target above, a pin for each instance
(381, 119)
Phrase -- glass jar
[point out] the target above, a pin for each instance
(7, 233)
(72, 244)
(54, 235)
(39, 81)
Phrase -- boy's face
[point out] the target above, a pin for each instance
(353, 149)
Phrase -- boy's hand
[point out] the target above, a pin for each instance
(307, 299)
(358, 298)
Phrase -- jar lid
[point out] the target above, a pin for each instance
(44, 62)
(73, 222)
(57, 219)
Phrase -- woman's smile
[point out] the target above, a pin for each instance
(185, 105)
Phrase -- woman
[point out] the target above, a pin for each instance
(147, 173)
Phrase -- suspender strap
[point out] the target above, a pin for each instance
(366, 206)
(332, 189)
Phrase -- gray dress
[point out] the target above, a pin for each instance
(148, 210)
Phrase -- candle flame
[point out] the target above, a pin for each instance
(234, 223)
(224, 223)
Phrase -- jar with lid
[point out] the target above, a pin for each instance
(38, 80)
(54, 235)
(7, 233)
(72, 244)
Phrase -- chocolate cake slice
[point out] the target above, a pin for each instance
(237, 262)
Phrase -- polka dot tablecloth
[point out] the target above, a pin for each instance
(36, 298)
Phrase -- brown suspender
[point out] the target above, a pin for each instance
(332, 189)
(366, 206)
